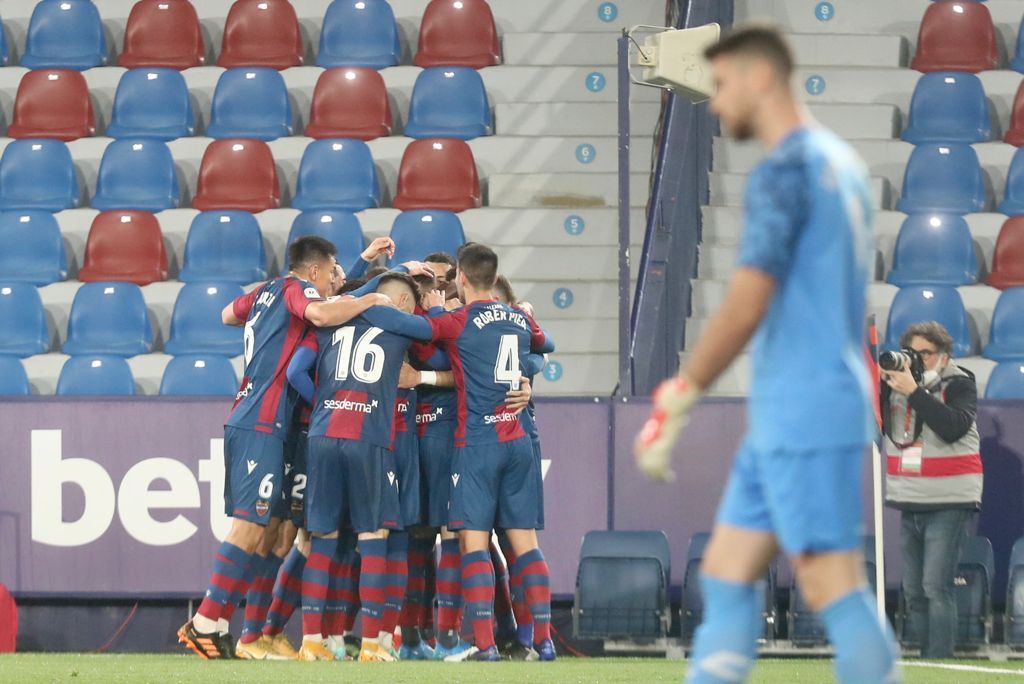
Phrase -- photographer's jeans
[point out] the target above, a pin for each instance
(930, 543)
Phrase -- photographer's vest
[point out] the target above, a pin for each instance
(941, 474)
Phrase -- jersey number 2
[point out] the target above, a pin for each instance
(358, 356)
(506, 366)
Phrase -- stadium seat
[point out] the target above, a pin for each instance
(458, 33)
(194, 375)
(693, 600)
(1006, 338)
(973, 590)
(934, 249)
(340, 227)
(65, 35)
(437, 173)
(449, 102)
(1015, 133)
(1013, 200)
(1007, 382)
(250, 103)
(136, 173)
(237, 174)
(152, 103)
(956, 36)
(261, 33)
(52, 103)
(109, 318)
(96, 376)
(31, 248)
(622, 586)
(196, 326)
(1017, 63)
(350, 103)
(162, 33)
(13, 378)
(943, 178)
(1008, 256)
(359, 33)
(126, 246)
(1014, 630)
(942, 304)
(948, 107)
(418, 233)
(337, 174)
(23, 320)
(38, 174)
(224, 246)
(4, 52)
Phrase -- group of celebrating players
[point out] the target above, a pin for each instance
(375, 414)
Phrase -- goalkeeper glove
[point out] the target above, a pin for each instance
(673, 400)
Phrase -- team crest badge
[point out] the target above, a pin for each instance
(262, 507)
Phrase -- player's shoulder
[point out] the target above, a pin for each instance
(293, 282)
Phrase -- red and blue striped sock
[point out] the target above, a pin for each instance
(257, 601)
(341, 592)
(524, 618)
(503, 617)
(287, 592)
(229, 567)
(315, 582)
(449, 586)
(420, 554)
(536, 579)
(398, 579)
(373, 582)
(354, 562)
(478, 591)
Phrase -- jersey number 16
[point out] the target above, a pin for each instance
(359, 355)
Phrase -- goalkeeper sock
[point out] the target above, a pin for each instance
(726, 643)
(865, 650)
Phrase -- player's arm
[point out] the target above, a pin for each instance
(382, 246)
(298, 372)
(237, 312)
(540, 341)
(324, 314)
(398, 322)
(533, 364)
(410, 377)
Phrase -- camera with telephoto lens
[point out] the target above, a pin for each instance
(901, 360)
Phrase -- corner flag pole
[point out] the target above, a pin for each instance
(876, 473)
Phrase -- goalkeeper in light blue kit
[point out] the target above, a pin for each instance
(800, 285)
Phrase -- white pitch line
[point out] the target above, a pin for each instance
(963, 668)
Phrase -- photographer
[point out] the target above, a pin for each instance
(934, 474)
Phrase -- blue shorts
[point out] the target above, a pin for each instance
(253, 474)
(810, 499)
(407, 458)
(351, 480)
(495, 486)
(291, 504)
(437, 448)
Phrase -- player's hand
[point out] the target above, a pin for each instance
(416, 268)
(377, 299)
(517, 400)
(409, 377)
(673, 400)
(900, 381)
(528, 308)
(432, 299)
(382, 246)
(453, 304)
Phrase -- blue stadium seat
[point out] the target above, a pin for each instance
(96, 375)
(31, 248)
(1006, 337)
(1006, 382)
(65, 35)
(138, 174)
(199, 376)
(693, 600)
(359, 33)
(934, 249)
(225, 246)
(337, 174)
(449, 102)
(422, 232)
(943, 178)
(196, 326)
(622, 586)
(973, 590)
(942, 304)
(340, 227)
(1017, 63)
(23, 320)
(152, 103)
(250, 102)
(13, 378)
(1014, 629)
(4, 52)
(38, 174)
(948, 107)
(109, 318)
(1013, 201)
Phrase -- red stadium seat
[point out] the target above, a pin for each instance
(261, 33)
(238, 174)
(349, 103)
(1015, 133)
(162, 33)
(52, 103)
(956, 36)
(458, 33)
(127, 246)
(1008, 258)
(437, 173)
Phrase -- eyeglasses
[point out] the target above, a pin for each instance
(926, 353)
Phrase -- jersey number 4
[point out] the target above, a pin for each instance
(506, 366)
(364, 359)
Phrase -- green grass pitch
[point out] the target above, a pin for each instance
(169, 669)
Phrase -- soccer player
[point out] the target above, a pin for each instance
(443, 266)
(275, 316)
(800, 286)
(494, 478)
(352, 473)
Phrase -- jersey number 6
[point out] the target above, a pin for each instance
(364, 353)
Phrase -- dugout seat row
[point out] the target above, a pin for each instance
(166, 33)
(951, 107)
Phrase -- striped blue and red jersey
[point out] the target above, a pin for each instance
(274, 315)
(405, 414)
(435, 406)
(485, 341)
